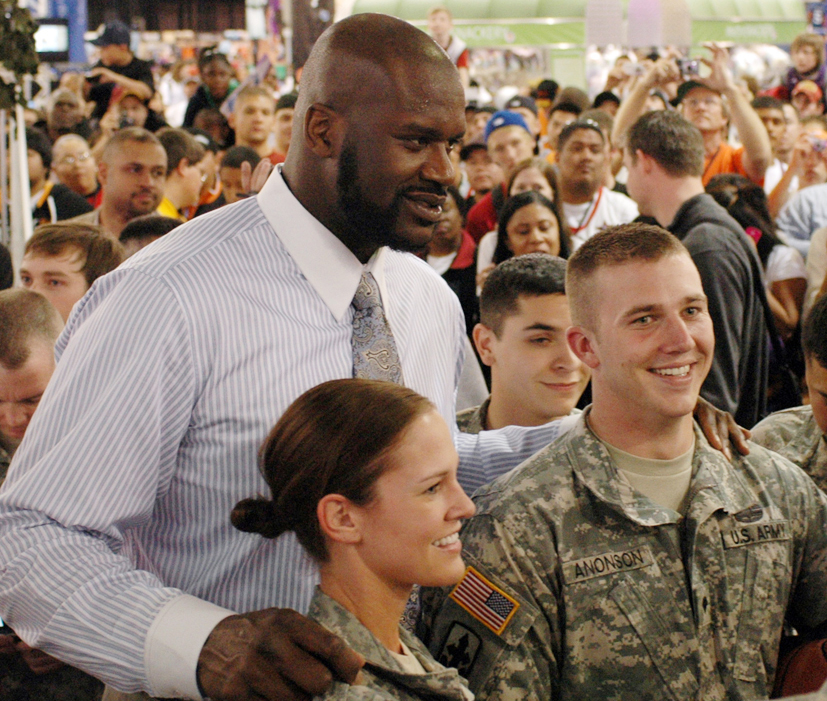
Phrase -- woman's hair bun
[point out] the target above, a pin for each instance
(258, 515)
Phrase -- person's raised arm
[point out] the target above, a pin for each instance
(751, 130)
(661, 72)
(138, 87)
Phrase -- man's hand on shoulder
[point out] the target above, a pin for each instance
(275, 654)
(718, 426)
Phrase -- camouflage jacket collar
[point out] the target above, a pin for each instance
(437, 683)
(715, 484)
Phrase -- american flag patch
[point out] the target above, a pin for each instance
(484, 601)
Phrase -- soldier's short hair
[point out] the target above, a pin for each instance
(814, 332)
(25, 317)
(531, 275)
(101, 252)
(616, 245)
(336, 438)
(675, 144)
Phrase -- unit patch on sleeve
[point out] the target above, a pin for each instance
(486, 602)
(460, 649)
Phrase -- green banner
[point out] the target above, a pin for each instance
(746, 32)
(520, 34)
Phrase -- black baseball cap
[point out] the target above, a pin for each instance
(684, 88)
(476, 145)
(114, 33)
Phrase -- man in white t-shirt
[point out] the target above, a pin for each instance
(587, 205)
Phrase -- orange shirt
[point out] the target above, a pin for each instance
(727, 159)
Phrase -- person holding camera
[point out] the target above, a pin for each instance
(709, 103)
(808, 163)
(117, 66)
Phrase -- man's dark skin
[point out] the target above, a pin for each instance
(380, 109)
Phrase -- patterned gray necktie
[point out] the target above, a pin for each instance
(374, 350)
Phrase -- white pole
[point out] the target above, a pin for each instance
(4, 178)
(21, 212)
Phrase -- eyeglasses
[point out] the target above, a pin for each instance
(80, 158)
(694, 102)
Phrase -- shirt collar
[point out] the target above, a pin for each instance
(329, 266)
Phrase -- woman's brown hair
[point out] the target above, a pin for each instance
(334, 439)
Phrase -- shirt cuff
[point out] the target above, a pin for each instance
(174, 642)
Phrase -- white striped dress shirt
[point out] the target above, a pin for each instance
(171, 372)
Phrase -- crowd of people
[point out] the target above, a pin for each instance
(265, 348)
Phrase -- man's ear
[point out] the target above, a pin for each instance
(647, 162)
(231, 120)
(182, 164)
(338, 519)
(484, 341)
(322, 130)
(102, 170)
(582, 345)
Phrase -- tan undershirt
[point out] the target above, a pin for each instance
(408, 661)
(665, 482)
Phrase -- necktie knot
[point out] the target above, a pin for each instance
(374, 350)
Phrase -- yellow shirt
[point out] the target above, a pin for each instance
(167, 209)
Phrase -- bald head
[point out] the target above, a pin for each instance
(366, 53)
(380, 108)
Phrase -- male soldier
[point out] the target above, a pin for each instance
(664, 157)
(628, 560)
(524, 314)
(132, 172)
(799, 433)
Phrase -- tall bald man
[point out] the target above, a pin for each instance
(172, 372)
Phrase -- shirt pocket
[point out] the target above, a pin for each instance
(766, 589)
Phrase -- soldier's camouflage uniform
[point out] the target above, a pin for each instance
(795, 434)
(473, 420)
(610, 596)
(383, 677)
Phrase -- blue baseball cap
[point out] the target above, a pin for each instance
(505, 118)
